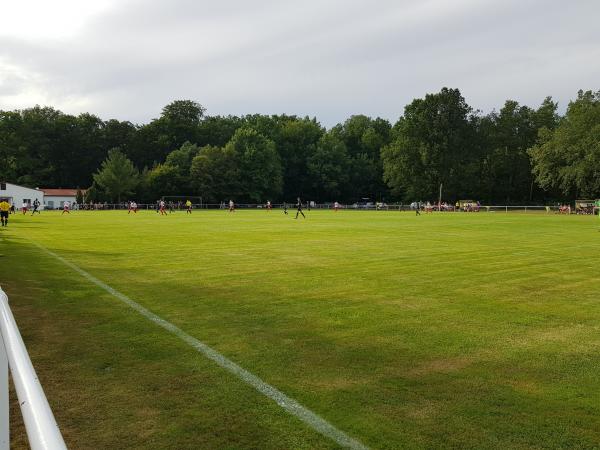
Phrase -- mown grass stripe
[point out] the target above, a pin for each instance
(287, 403)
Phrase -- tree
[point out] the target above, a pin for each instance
(435, 144)
(218, 130)
(182, 157)
(215, 174)
(119, 134)
(568, 158)
(328, 168)
(91, 194)
(10, 122)
(179, 122)
(364, 138)
(259, 165)
(164, 179)
(508, 172)
(296, 144)
(184, 112)
(79, 196)
(117, 175)
(248, 168)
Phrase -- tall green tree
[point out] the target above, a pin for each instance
(297, 143)
(10, 142)
(364, 138)
(218, 130)
(117, 176)
(173, 176)
(248, 168)
(179, 122)
(259, 165)
(568, 158)
(507, 135)
(215, 174)
(329, 168)
(434, 145)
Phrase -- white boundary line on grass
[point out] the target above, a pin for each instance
(287, 403)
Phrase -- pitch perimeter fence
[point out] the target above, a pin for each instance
(557, 209)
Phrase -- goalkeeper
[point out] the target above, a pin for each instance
(4, 209)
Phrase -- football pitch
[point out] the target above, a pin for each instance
(451, 330)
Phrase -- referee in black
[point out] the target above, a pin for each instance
(299, 210)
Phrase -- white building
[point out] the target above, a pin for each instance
(56, 198)
(17, 195)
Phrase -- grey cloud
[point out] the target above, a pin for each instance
(324, 59)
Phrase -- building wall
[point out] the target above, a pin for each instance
(16, 194)
(58, 201)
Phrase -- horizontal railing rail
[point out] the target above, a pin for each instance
(356, 207)
(42, 431)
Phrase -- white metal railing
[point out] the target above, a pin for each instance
(41, 427)
(359, 207)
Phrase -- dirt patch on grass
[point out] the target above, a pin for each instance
(422, 410)
(441, 365)
(571, 336)
(338, 383)
(525, 386)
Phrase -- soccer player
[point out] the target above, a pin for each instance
(231, 206)
(24, 207)
(161, 206)
(171, 207)
(188, 207)
(299, 209)
(336, 206)
(4, 209)
(36, 206)
(285, 208)
(268, 205)
(66, 207)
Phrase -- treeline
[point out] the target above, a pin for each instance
(515, 155)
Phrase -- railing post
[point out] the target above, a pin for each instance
(4, 418)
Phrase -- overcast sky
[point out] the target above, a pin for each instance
(126, 59)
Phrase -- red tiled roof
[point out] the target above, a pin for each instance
(61, 192)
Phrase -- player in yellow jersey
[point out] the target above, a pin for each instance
(4, 209)
(188, 206)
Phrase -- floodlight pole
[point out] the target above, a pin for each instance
(440, 198)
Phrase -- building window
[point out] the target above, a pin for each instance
(2, 186)
(27, 200)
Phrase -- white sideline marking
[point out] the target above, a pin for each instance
(289, 404)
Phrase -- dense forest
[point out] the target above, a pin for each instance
(516, 155)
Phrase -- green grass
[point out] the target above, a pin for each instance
(439, 331)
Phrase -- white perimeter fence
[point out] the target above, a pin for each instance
(41, 427)
(351, 207)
